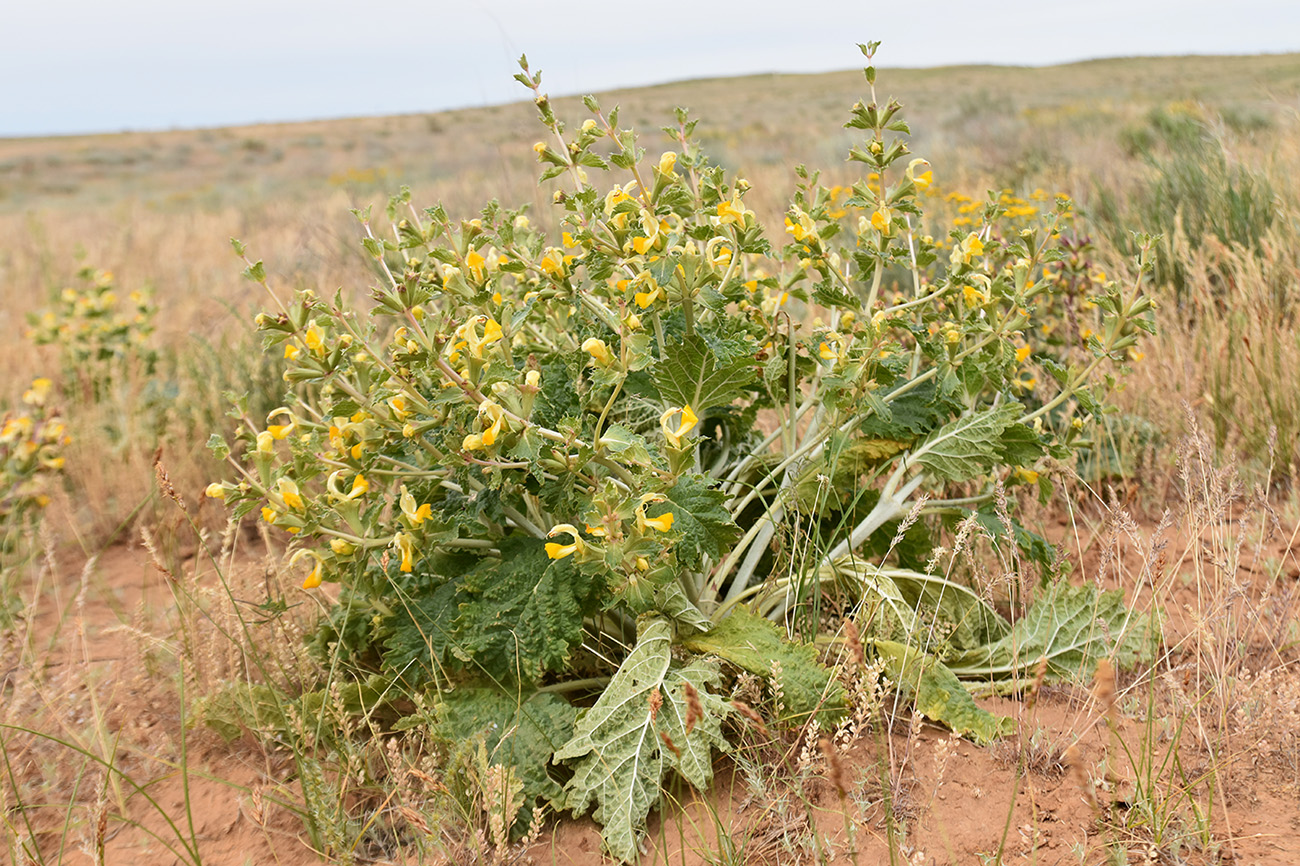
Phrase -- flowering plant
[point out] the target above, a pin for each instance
(615, 453)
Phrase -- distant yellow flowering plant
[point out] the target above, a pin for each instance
(97, 328)
(543, 456)
(32, 440)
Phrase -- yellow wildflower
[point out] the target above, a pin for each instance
(416, 515)
(279, 431)
(598, 351)
(314, 578)
(496, 416)
(653, 291)
(289, 493)
(662, 523)
(38, 393)
(314, 339)
(685, 425)
(970, 247)
(215, 490)
(405, 544)
(555, 550)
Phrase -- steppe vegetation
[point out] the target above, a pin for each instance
(932, 503)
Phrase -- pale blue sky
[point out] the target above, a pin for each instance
(109, 65)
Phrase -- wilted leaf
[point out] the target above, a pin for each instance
(938, 694)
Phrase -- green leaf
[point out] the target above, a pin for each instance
(520, 736)
(218, 446)
(619, 754)
(916, 599)
(701, 517)
(522, 613)
(1073, 627)
(754, 643)
(672, 600)
(938, 694)
(968, 446)
(692, 375)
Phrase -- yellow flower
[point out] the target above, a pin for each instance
(314, 578)
(497, 417)
(598, 351)
(974, 297)
(265, 442)
(1022, 353)
(882, 221)
(662, 523)
(652, 293)
(923, 180)
(279, 431)
(969, 247)
(405, 544)
(398, 405)
(552, 264)
(314, 338)
(685, 425)
(342, 547)
(475, 261)
(269, 514)
(466, 336)
(653, 228)
(416, 515)
(667, 161)
(289, 493)
(1028, 476)
(617, 196)
(834, 348)
(732, 212)
(556, 550)
(215, 490)
(38, 393)
(291, 352)
(472, 442)
(359, 486)
(801, 225)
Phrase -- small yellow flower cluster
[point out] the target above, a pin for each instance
(31, 453)
(92, 326)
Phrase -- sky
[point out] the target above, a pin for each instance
(73, 66)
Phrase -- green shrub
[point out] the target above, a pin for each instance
(600, 463)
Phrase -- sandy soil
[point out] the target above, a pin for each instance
(961, 803)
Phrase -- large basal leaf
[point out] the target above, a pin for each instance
(520, 736)
(522, 613)
(692, 375)
(701, 517)
(1073, 627)
(754, 643)
(621, 749)
(968, 446)
(938, 694)
(917, 601)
